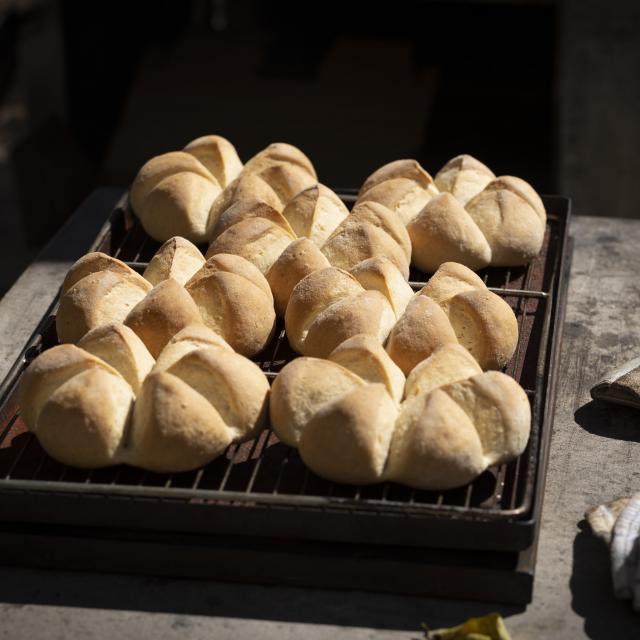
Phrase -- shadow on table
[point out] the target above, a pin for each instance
(609, 420)
(196, 597)
(605, 617)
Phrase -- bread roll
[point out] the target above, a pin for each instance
(449, 363)
(163, 312)
(315, 213)
(257, 240)
(454, 422)
(463, 177)
(117, 345)
(172, 196)
(435, 445)
(300, 389)
(311, 295)
(279, 152)
(329, 306)
(380, 274)
(218, 156)
(402, 196)
(77, 405)
(450, 280)
(522, 189)
(235, 301)
(232, 384)
(512, 226)
(287, 180)
(94, 262)
(477, 220)
(80, 407)
(175, 428)
(299, 259)
(99, 298)
(351, 245)
(192, 337)
(188, 415)
(365, 356)
(421, 329)
(348, 440)
(500, 411)
(244, 209)
(177, 258)
(383, 218)
(442, 232)
(367, 312)
(482, 321)
(47, 372)
(246, 188)
(408, 169)
(84, 421)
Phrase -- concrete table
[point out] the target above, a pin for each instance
(595, 456)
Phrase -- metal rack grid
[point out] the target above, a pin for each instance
(266, 473)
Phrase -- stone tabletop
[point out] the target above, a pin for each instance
(595, 456)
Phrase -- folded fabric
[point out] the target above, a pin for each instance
(617, 523)
(621, 386)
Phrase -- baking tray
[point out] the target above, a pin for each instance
(262, 490)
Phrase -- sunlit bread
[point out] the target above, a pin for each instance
(500, 411)
(328, 306)
(244, 209)
(98, 298)
(365, 356)
(299, 259)
(177, 258)
(370, 230)
(279, 152)
(512, 218)
(257, 240)
(119, 346)
(315, 213)
(218, 155)
(421, 329)
(449, 363)
(463, 177)
(380, 274)
(435, 445)
(348, 440)
(381, 217)
(94, 262)
(172, 195)
(192, 337)
(443, 232)
(77, 405)
(483, 321)
(235, 301)
(164, 311)
(402, 196)
(406, 168)
(454, 423)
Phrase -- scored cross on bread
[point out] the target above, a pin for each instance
(465, 215)
(227, 293)
(110, 402)
(330, 305)
(355, 420)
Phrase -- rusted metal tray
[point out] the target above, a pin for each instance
(261, 490)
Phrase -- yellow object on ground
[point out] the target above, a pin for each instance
(489, 627)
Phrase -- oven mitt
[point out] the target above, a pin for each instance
(621, 386)
(490, 627)
(618, 524)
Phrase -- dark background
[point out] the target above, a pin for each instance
(89, 91)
